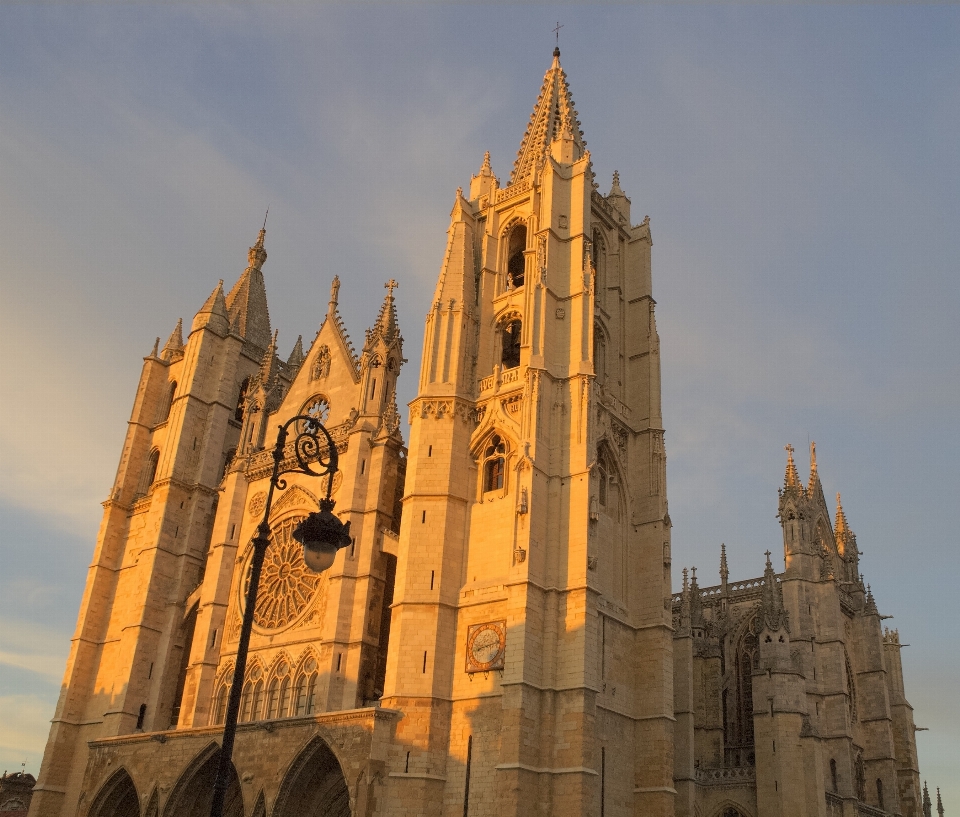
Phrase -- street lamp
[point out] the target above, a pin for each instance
(321, 534)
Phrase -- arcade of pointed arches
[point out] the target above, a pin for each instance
(284, 690)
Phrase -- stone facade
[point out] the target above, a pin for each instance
(500, 637)
(789, 696)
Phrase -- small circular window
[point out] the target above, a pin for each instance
(317, 409)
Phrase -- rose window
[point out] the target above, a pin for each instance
(287, 587)
(318, 410)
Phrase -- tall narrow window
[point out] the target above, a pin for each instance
(510, 345)
(241, 400)
(494, 462)
(833, 776)
(515, 259)
(256, 711)
(300, 696)
(220, 710)
(164, 412)
(284, 698)
(273, 699)
(312, 693)
(880, 793)
(246, 701)
(149, 475)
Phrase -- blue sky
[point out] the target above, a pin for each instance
(799, 164)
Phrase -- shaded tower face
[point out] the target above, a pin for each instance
(529, 617)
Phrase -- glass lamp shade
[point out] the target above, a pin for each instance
(322, 535)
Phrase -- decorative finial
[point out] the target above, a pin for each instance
(265, 218)
(556, 30)
(685, 580)
(390, 286)
(767, 554)
(724, 573)
(334, 292)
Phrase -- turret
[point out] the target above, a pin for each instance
(381, 357)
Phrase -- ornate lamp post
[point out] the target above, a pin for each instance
(321, 534)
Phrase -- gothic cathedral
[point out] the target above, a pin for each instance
(500, 637)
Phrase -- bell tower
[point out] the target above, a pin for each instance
(531, 647)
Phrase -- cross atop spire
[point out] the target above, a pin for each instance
(791, 479)
(391, 285)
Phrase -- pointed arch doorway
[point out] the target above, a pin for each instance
(193, 794)
(314, 785)
(117, 798)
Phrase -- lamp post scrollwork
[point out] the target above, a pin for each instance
(322, 534)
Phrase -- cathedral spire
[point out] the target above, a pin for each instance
(213, 313)
(927, 805)
(247, 301)
(939, 803)
(386, 326)
(296, 355)
(724, 572)
(771, 599)
(554, 117)
(173, 348)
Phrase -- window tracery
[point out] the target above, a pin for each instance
(515, 256)
(494, 464)
(510, 344)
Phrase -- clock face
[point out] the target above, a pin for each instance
(486, 646)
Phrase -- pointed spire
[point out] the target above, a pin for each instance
(213, 313)
(485, 168)
(173, 348)
(386, 326)
(268, 363)
(553, 117)
(724, 573)
(927, 805)
(156, 348)
(247, 301)
(615, 188)
(840, 526)
(870, 605)
(771, 600)
(791, 479)
(939, 803)
(296, 356)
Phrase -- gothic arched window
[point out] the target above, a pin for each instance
(738, 735)
(164, 413)
(880, 794)
(510, 344)
(273, 699)
(284, 698)
(833, 776)
(220, 707)
(494, 464)
(241, 400)
(149, 475)
(515, 258)
(603, 475)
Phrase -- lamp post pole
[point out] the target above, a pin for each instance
(322, 535)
